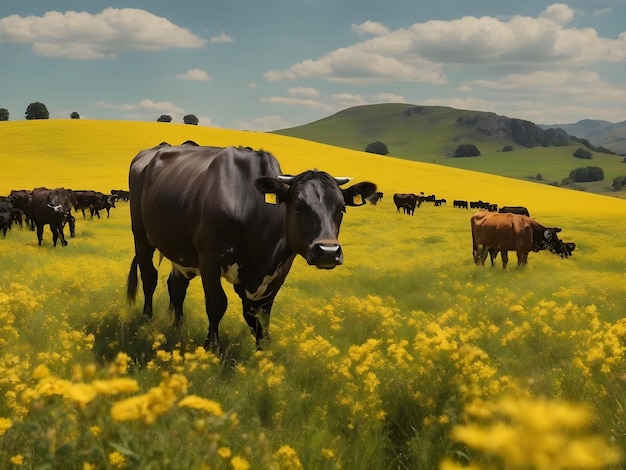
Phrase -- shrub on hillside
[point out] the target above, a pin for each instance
(191, 119)
(377, 147)
(619, 183)
(467, 150)
(4, 114)
(582, 153)
(586, 174)
(507, 148)
(164, 118)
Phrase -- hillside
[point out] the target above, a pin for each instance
(432, 133)
(599, 133)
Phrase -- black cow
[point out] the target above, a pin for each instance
(121, 194)
(459, 203)
(406, 202)
(20, 199)
(52, 207)
(95, 201)
(374, 198)
(514, 210)
(230, 212)
(5, 221)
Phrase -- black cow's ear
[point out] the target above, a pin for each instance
(272, 189)
(355, 195)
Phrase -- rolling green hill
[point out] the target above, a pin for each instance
(432, 133)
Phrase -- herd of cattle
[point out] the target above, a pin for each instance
(53, 207)
(493, 232)
(231, 212)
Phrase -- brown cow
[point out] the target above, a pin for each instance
(504, 232)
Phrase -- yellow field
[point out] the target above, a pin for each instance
(406, 356)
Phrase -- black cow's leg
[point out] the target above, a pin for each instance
(215, 301)
(177, 287)
(40, 233)
(258, 319)
(149, 276)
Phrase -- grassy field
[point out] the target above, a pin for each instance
(433, 135)
(407, 356)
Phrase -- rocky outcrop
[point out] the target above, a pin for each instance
(524, 133)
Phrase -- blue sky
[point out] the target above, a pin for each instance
(270, 64)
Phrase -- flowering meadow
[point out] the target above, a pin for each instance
(408, 356)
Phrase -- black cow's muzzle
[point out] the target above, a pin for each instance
(325, 255)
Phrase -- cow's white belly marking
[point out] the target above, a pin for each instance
(231, 273)
(186, 271)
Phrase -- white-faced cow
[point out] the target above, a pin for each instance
(494, 232)
(230, 212)
(52, 207)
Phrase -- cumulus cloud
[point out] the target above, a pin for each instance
(198, 75)
(420, 52)
(295, 101)
(389, 98)
(303, 91)
(262, 123)
(145, 105)
(82, 35)
(221, 38)
(370, 27)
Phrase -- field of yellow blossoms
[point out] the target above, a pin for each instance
(407, 356)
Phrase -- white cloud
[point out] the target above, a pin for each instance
(370, 27)
(303, 91)
(389, 98)
(194, 75)
(145, 105)
(295, 102)
(420, 53)
(82, 35)
(221, 38)
(262, 124)
(345, 100)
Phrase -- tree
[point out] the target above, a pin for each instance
(191, 119)
(619, 182)
(75, 115)
(37, 110)
(467, 150)
(165, 118)
(507, 148)
(589, 173)
(582, 153)
(377, 147)
(4, 114)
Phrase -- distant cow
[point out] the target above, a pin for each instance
(459, 203)
(406, 202)
(521, 210)
(230, 212)
(565, 250)
(51, 207)
(439, 202)
(374, 198)
(509, 232)
(95, 201)
(121, 194)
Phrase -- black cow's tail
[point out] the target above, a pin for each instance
(131, 289)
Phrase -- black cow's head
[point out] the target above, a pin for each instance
(550, 240)
(314, 206)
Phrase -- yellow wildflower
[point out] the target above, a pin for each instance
(5, 423)
(117, 459)
(199, 403)
(239, 463)
(224, 452)
(17, 459)
(287, 458)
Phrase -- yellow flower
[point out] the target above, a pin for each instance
(5, 423)
(239, 463)
(199, 403)
(89, 466)
(117, 459)
(17, 459)
(287, 458)
(224, 452)
(95, 431)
